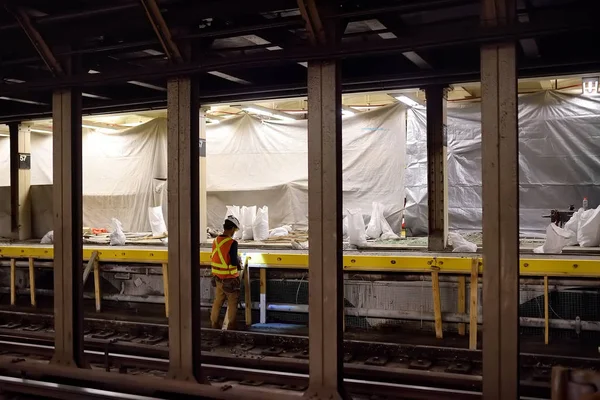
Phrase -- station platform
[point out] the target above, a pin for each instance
(574, 264)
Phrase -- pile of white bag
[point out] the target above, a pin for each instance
(254, 222)
(583, 228)
(377, 228)
(460, 244)
(157, 223)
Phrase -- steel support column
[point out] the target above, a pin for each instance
(20, 180)
(500, 209)
(68, 257)
(326, 294)
(183, 221)
(437, 176)
(202, 178)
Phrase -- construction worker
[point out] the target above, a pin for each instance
(225, 269)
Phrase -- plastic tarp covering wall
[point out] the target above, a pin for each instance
(249, 162)
(123, 174)
(254, 162)
(559, 156)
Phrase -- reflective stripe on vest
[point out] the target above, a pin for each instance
(219, 265)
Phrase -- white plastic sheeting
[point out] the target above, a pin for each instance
(249, 162)
(559, 146)
(124, 173)
(266, 163)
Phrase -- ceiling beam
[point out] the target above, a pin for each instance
(553, 22)
(530, 46)
(312, 20)
(37, 40)
(392, 33)
(162, 31)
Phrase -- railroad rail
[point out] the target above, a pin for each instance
(249, 358)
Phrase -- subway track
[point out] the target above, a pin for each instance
(135, 346)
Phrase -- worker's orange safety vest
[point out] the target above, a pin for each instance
(220, 260)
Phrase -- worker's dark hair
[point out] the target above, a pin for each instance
(228, 225)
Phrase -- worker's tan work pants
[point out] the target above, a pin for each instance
(225, 289)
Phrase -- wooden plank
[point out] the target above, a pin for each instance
(89, 266)
(546, 312)
(473, 305)
(462, 306)
(13, 288)
(247, 295)
(165, 274)
(263, 296)
(437, 305)
(97, 292)
(32, 283)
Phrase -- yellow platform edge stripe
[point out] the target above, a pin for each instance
(455, 264)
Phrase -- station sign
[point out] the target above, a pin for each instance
(589, 86)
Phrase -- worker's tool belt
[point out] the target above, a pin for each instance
(230, 284)
(219, 263)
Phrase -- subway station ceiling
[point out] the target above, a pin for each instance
(250, 50)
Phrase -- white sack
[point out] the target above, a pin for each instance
(260, 226)
(356, 229)
(235, 211)
(460, 244)
(386, 230)
(247, 219)
(157, 221)
(556, 239)
(588, 232)
(572, 226)
(117, 237)
(374, 226)
(378, 226)
(278, 232)
(48, 238)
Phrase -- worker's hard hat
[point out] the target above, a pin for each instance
(233, 220)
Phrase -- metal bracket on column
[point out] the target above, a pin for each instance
(162, 30)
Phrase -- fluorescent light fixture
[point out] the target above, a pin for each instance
(37, 103)
(11, 80)
(229, 77)
(147, 85)
(261, 42)
(93, 71)
(407, 100)
(268, 113)
(94, 96)
(40, 130)
(153, 52)
(376, 25)
(348, 111)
